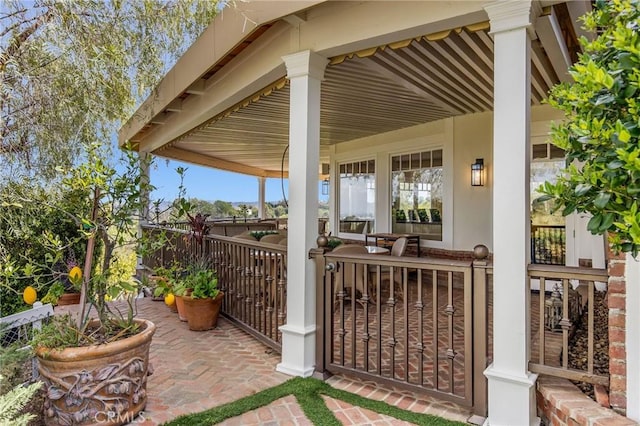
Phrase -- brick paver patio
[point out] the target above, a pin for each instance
(195, 371)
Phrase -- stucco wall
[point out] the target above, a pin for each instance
(467, 215)
(472, 209)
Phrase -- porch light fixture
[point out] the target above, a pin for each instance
(477, 172)
(325, 187)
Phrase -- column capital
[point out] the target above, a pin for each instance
(305, 63)
(507, 15)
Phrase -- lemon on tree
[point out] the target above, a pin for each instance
(30, 295)
(75, 276)
(169, 299)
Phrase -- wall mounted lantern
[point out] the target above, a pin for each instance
(477, 172)
(325, 187)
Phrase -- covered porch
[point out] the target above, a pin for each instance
(404, 101)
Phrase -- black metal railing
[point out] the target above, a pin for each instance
(548, 244)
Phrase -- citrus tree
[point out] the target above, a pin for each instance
(34, 234)
(601, 132)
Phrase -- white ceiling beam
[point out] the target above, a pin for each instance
(198, 88)
(296, 19)
(207, 161)
(550, 35)
(160, 118)
(174, 106)
(578, 8)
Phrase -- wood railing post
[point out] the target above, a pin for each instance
(317, 254)
(480, 332)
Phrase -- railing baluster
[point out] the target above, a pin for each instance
(565, 323)
(354, 273)
(379, 317)
(434, 313)
(450, 310)
(590, 328)
(405, 297)
(542, 318)
(366, 299)
(420, 344)
(391, 303)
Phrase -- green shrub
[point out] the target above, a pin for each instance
(601, 132)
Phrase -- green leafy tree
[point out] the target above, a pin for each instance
(28, 232)
(223, 209)
(601, 132)
(71, 71)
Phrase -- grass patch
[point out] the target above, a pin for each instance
(308, 393)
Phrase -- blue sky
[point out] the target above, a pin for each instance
(210, 184)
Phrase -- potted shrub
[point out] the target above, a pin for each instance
(94, 364)
(202, 306)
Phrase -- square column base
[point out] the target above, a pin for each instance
(298, 351)
(512, 399)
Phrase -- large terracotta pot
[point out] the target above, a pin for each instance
(202, 314)
(104, 384)
(69, 299)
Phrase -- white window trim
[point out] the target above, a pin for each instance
(382, 157)
(334, 182)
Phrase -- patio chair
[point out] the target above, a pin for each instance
(398, 249)
(246, 235)
(271, 238)
(348, 272)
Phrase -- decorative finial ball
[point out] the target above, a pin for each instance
(480, 252)
(322, 241)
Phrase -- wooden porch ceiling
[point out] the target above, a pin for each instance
(384, 90)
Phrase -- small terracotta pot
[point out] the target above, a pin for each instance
(180, 308)
(202, 314)
(69, 299)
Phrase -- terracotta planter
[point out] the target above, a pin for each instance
(103, 384)
(202, 314)
(69, 299)
(180, 304)
(174, 307)
(180, 308)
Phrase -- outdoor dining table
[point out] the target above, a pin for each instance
(377, 250)
(389, 237)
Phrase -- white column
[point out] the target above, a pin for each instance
(511, 385)
(261, 197)
(305, 70)
(632, 338)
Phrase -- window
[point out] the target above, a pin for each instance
(547, 164)
(548, 235)
(416, 194)
(357, 203)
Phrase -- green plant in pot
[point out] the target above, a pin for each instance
(202, 306)
(95, 362)
(164, 283)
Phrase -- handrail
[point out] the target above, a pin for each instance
(569, 272)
